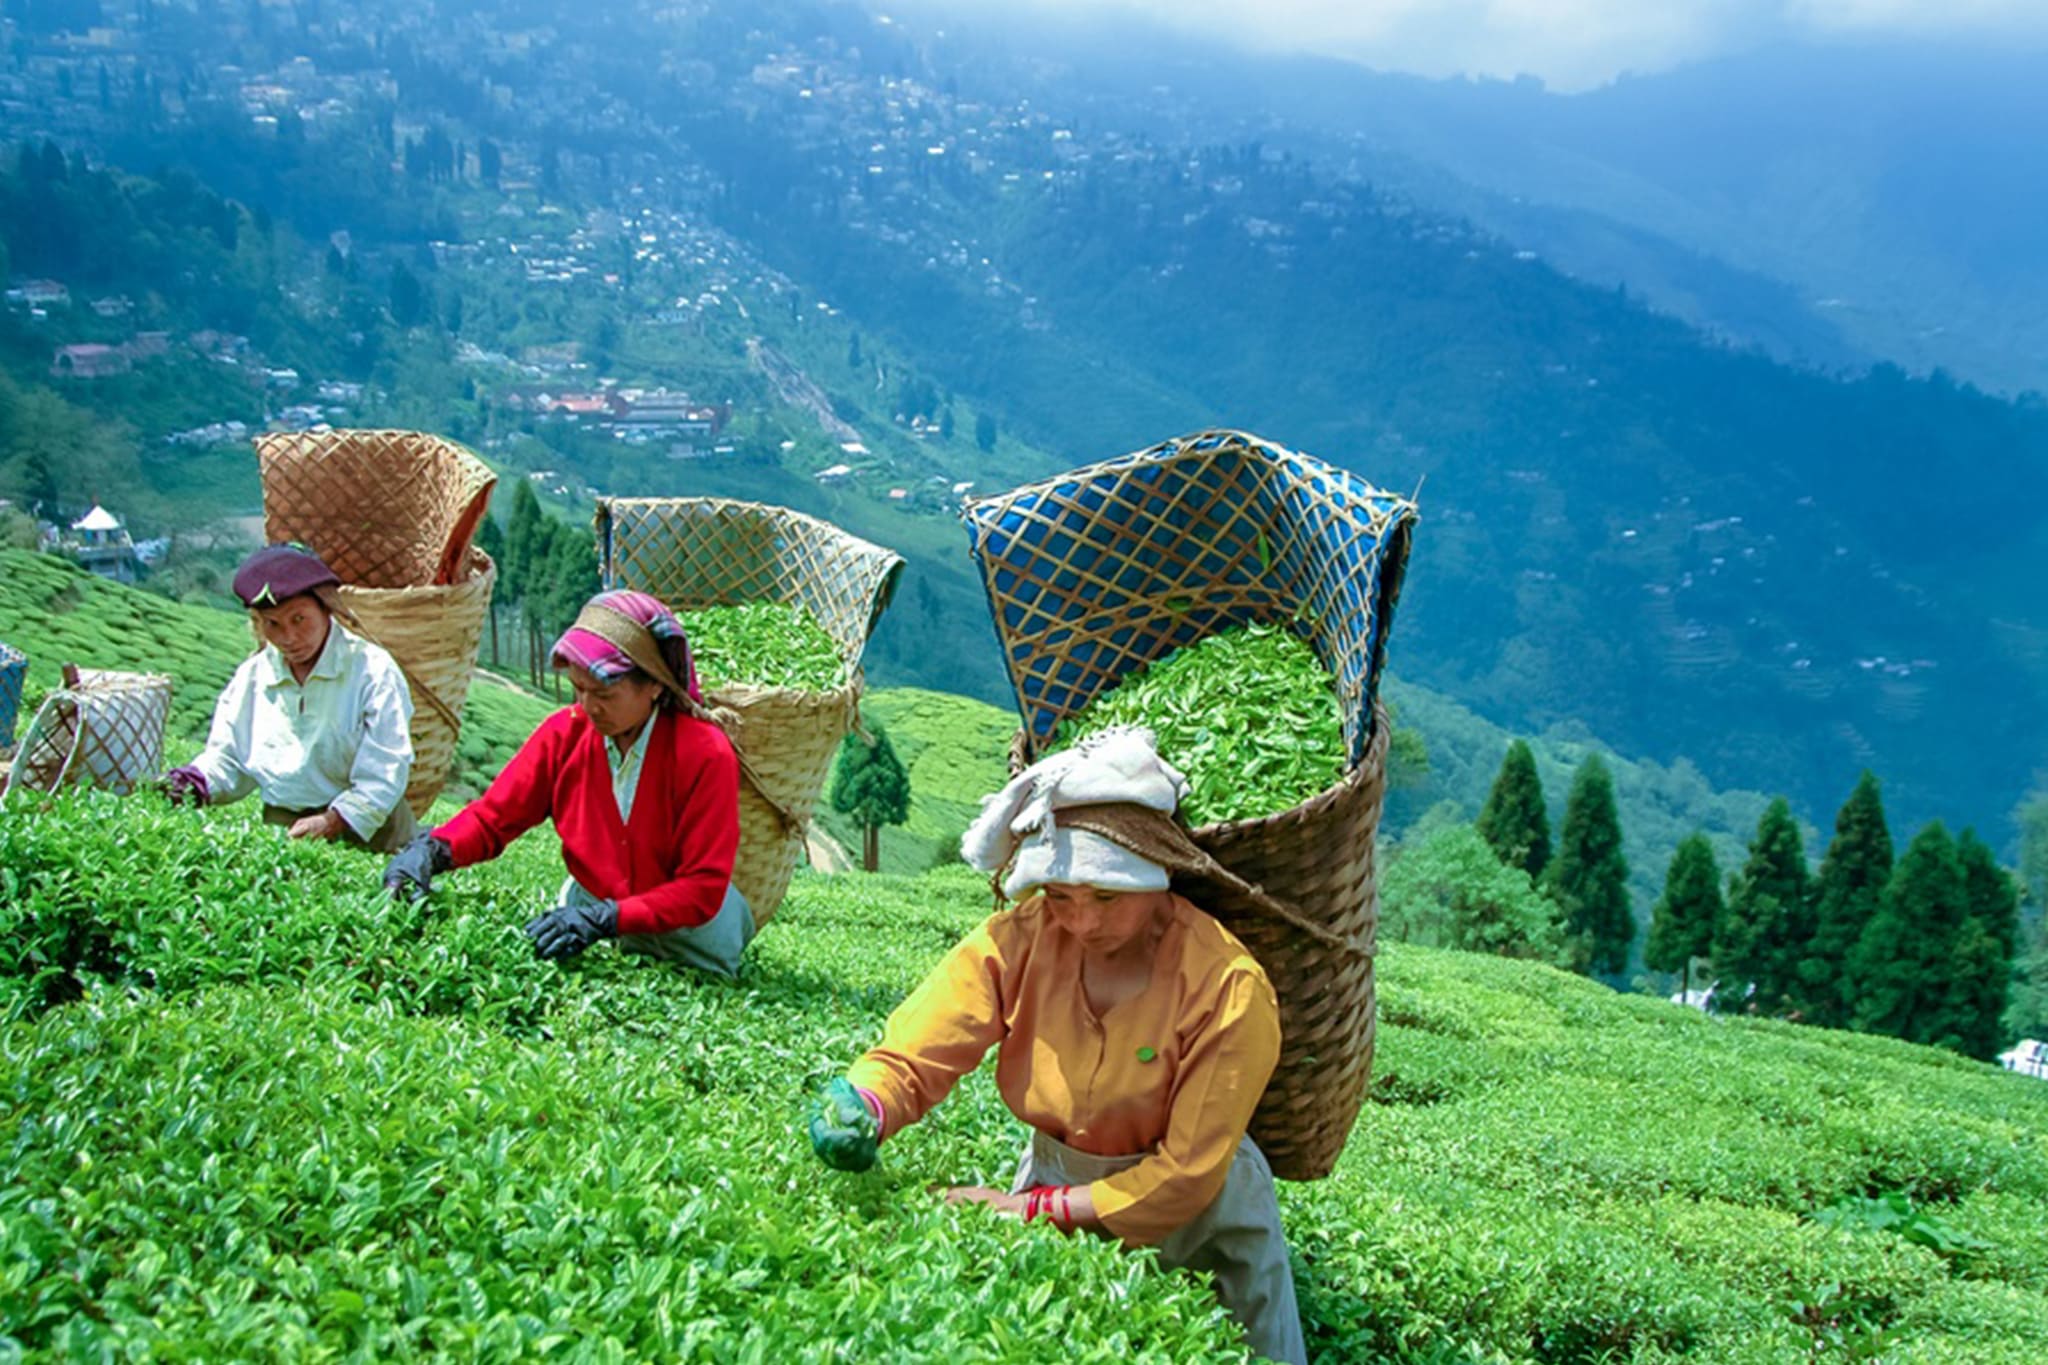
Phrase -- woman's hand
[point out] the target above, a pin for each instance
(1011, 1204)
(325, 825)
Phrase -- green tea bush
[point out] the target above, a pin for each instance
(255, 1111)
(57, 613)
(1553, 1172)
(1248, 714)
(288, 1175)
(765, 644)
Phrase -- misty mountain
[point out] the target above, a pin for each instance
(1836, 203)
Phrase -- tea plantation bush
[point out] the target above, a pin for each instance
(252, 1110)
(287, 1119)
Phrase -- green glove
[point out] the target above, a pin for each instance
(844, 1133)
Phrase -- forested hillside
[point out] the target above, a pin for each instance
(876, 258)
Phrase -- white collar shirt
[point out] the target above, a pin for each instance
(341, 740)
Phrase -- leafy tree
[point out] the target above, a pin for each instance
(1905, 959)
(39, 483)
(985, 432)
(490, 162)
(1767, 921)
(1846, 896)
(1682, 923)
(853, 352)
(1514, 821)
(2026, 1012)
(870, 783)
(946, 423)
(1589, 878)
(571, 577)
(1448, 890)
(2033, 819)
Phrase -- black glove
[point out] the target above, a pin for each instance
(411, 870)
(567, 930)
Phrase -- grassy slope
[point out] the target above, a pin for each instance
(57, 614)
(325, 1124)
(953, 748)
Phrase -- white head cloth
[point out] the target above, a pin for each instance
(1121, 764)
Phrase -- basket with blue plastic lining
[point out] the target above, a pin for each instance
(13, 673)
(1098, 572)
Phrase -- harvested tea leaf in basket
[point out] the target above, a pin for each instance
(763, 644)
(1248, 714)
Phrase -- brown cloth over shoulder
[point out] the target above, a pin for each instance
(1157, 836)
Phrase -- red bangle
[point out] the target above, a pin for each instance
(1034, 1201)
(1067, 1207)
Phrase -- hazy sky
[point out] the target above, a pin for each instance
(1571, 44)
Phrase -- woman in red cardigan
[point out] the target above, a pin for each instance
(643, 790)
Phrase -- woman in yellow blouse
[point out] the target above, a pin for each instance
(1134, 1034)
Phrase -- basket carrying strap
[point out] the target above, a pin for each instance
(724, 720)
(1151, 834)
(419, 689)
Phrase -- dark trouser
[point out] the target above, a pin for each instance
(395, 833)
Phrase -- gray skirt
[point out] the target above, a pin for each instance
(1237, 1238)
(714, 946)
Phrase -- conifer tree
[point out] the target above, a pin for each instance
(1514, 821)
(1905, 959)
(1846, 896)
(870, 784)
(525, 531)
(1980, 978)
(1682, 924)
(1589, 878)
(1766, 924)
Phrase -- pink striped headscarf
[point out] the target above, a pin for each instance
(608, 662)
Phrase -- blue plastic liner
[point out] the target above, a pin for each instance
(13, 673)
(1099, 571)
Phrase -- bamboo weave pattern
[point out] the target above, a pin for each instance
(385, 509)
(1097, 572)
(393, 514)
(706, 552)
(101, 729)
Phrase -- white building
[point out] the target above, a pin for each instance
(2028, 1056)
(100, 543)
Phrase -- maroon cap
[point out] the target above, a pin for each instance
(277, 572)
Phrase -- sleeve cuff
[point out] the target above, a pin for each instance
(872, 1083)
(360, 816)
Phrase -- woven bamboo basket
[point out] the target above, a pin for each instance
(711, 552)
(100, 729)
(13, 673)
(1098, 572)
(393, 513)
